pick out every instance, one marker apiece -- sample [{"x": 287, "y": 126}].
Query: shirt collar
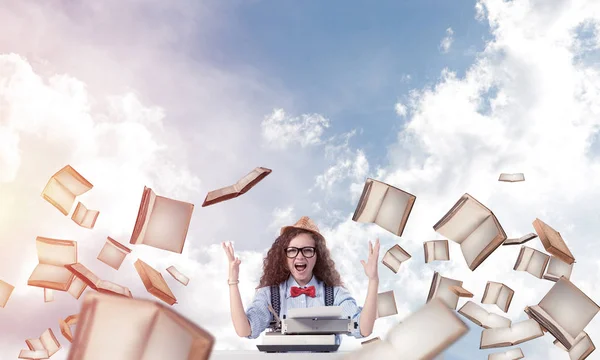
[{"x": 292, "y": 282}]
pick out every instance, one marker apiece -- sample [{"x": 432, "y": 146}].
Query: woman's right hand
[{"x": 234, "y": 262}]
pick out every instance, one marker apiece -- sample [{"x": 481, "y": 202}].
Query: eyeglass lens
[{"x": 292, "y": 252}]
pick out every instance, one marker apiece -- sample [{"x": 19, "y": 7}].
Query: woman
[{"x": 300, "y": 267}]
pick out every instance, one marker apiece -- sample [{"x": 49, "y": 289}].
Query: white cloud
[
  {"x": 401, "y": 109},
  {"x": 282, "y": 217},
  {"x": 447, "y": 41},
  {"x": 280, "y": 130}
]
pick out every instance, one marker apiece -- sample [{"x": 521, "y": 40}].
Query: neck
[{"x": 303, "y": 283}]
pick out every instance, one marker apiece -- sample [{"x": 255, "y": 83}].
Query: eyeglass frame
[{"x": 300, "y": 250}]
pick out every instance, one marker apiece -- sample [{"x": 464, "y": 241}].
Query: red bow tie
[{"x": 296, "y": 291}]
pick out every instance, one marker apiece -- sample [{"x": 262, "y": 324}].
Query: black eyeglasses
[{"x": 308, "y": 252}]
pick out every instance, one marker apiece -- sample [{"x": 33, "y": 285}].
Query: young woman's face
[{"x": 301, "y": 266}]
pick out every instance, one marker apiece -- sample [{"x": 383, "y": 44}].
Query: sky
[{"x": 186, "y": 97}]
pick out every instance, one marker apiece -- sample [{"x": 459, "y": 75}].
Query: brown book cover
[
  {"x": 553, "y": 242},
  {"x": 154, "y": 282},
  {"x": 241, "y": 187}
]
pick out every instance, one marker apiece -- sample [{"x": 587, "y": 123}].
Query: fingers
[
  {"x": 370, "y": 247},
  {"x": 228, "y": 250}
]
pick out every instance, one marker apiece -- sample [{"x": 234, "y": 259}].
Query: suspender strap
[
  {"x": 328, "y": 296},
  {"x": 275, "y": 298}
]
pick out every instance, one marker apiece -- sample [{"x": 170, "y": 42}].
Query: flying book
[
  {"x": 113, "y": 253},
  {"x": 90, "y": 279},
  {"x": 63, "y": 187},
  {"x": 498, "y": 294},
  {"x": 241, "y": 187},
  {"x": 84, "y": 217},
  {"x": 482, "y": 317},
  {"x": 532, "y": 261},
  {"x": 46, "y": 342},
  {"x": 512, "y": 354},
  {"x": 119, "y": 328},
  {"x": 511, "y": 177},
  {"x": 48, "y": 295},
  {"x": 371, "y": 341},
  {"x": 77, "y": 287},
  {"x": 473, "y": 226},
  {"x": 6, "y": 290},
  {"x": 394, "y": 257},
  {"x": 582, "y": 347},
  {"x": 460, "y": 291},
  {"x": 557, "y": 268},
  {"x": 33, "y": 354},
  {"x": 553, "y": 242},
  {"x": 386, "y": 304},
  {"x": 522, "y": 240},
  {"x": 65, "y": 326},
  {"x": 178, "y": 275},
  {"x": 564, "y": 311},
  {"x": 441, "y": 288},
  {"x": 384, "y": 205},
  {"x": 436, "y": 250},
  {"x": 53, "y": 255},
  {"x": 154, "y": 282},
  {"x": 516, "y": 334},
  {"x": 161, "y": 222}
]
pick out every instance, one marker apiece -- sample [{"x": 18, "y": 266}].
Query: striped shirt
[{"x": 259, "y": 316}]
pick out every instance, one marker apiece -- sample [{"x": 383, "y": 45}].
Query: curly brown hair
[{"x": 275, "y": 270}]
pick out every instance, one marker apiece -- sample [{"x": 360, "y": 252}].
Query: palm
[
  {"x": 234, "y": 262},
  {"x": 371, "y": 265}
]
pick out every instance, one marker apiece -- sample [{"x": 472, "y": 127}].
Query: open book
[
  {"x": 47, "y": 342},
  {"x": 33, "y": 354},
  {"x": 441, "y": 287},
  {"x": 522, "y": 240},
  {"x": 436, "y": 250},
  {"x": 84, "y": 217},
  {"x": 6, "y": 290},
  {"x": 511, "y": 177},
  {"x": 532, "y": 261},
  {"x": 113, "y": 253},
  {"x": 154, "y": 282},
  {"x": 119, "y": 328},
  {"x": 65, "y": 326},
  {"x": 482, "y": 317},
  {"x": 53, "y": 255},
  {"x": 386, "y": 304},
  {"x": 384, "y": 205},
  {"x": 517, "y": 333},
  {"x": 426, "y": 333},
  {"x": 63, "y": 187},
  {"x": 557, "y": 268},
  {"x": 564, "y": 311},
  {"x": 553, "y": 242},
  {"x": 473, "y": 226},
  {"x": 241, "y": 187},
  {"x": 178, "y": 275},
  {"x": 499, "y": 294},
  {"x": 162, "y": 222},
  {"x": 394, "y": 257},
  {"x": 582, "y": 347},
  {"x": 93, "y": 281},
  {"x": 512, "y": 354}
]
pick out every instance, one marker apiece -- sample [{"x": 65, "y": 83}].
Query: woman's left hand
[{"x": 372, "y": 261}]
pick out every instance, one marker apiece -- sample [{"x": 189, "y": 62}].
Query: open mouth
[{"x": 300, "y": 267}]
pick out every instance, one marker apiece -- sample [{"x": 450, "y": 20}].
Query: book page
[
  {"x": 518, "y": 241},
  {"x": 491, "y": 293},
  {"x": 50, "y": 342},
  {"x": 525, "y": 255},
  {"x": 77, "y": 287},
  {"x": 168, "y": 225},
  {"x": 251, "y": 179},
  {"x": 84, "y": 217},
  {"x": 6, "y": 290},
  {"x": 59, "y": 196},
  {"x": 505, "y": 297},
  {"x": 386, "y": 304},
  {"x": 399, "y": 253},
  {"x": 464, "y": 221},
  {"x": 477, "y": 241},
  {"x": 168, "y": 340},
  {"x": 582, "y": 348},
  {"x": 65, "y": 326},
  {"x": 56, "y": 252},
  {"x": 441, "y": 250},
  {"x": 84, "y": 274},
  {"x": 569, "y": 307},
  {"x": 110, "y": 287},
  {"x": 113, "y": 253},
  {"x": 73, "y": 181},
  {"x": 392, "y": 210},
  {"x": 552, "y": 241},
  {"x": 177, "y": 275},
  {"x": 50, "y": 276},
  {"x": 512, "y": 354},
  {"x": 33, "y": 354},
  {"x": 391, "y": 262},
  {"x": 48, "y": 295},
  {"x": 538, "y": 263},
  {"x": 496, "y": 321},
  {"x": 557, "y": 268},
  {"x": 518, "y": 333},
  {"x": 372, "y": 197},
  {"x": 35, "y": 344},
  {"x": 444, "y": 293},
  {"x": 433, "y": 327},
  {"x": 511, "y": 177}
]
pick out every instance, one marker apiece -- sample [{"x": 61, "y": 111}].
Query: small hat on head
[{"x": 304, "y": 223}]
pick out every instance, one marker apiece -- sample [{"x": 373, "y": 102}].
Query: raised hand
[
  {"x": 371, "y": 265},
  {"x": 234, "y": 262}
]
